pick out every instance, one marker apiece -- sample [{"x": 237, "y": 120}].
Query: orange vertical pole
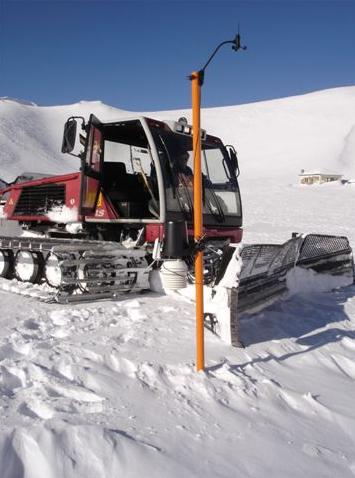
[{"x": 198, "y": 218}]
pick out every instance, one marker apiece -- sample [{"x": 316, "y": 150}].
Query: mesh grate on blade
[{"x": 316, "y": 245}]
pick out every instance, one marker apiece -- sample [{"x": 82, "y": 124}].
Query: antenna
[{"x": 236, "y": 43}]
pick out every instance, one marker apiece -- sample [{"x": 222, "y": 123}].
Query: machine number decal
[{"x": 100, "y": 213}]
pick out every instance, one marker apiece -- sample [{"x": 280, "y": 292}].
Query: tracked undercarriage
[{"x": 75, "y": 269}]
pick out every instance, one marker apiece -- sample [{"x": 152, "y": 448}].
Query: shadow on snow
[{"x": 299, "y": 316}]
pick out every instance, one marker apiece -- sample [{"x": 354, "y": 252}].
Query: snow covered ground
[
  {"x": 273, "y": 210},
  {"x": 109, "y": 389}
]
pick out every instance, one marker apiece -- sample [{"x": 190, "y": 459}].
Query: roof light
[{"x": 181, "y": 127}]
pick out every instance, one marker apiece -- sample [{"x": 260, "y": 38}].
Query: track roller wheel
[
  {"x": 29, "y": 266},
  {"x": 52, "y": 271},
  {"x": 6, "y": 263}
]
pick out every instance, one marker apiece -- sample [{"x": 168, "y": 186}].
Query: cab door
[{"x": 91, "y": 167}]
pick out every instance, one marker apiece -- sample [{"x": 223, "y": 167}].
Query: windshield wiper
[
  {"x": 219, "y": 214},
  {"x": 185, "y": 201}
]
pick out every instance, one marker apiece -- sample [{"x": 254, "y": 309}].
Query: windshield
[{"x": 220, "y": 188}]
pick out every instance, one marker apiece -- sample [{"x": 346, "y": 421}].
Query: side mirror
[
  {"x": 233, "y": 159},
  {"x": 69, "y": 135}
]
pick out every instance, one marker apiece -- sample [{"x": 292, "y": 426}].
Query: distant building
[{"x": 318, "y": 177}]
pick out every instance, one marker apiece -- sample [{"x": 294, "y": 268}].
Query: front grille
[{"x": 38, "y": 200}]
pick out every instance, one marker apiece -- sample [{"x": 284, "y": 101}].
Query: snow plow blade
[
  {"x": 262, "y": 277},
  {"x": 265, "y": 266}
]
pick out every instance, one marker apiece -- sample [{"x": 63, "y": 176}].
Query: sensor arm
[{"x": 236, "y": 45}]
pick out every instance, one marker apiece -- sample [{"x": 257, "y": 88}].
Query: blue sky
[{"x": 136, "y": 55}]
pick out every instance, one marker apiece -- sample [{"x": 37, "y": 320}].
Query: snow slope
[
  {"x": 274, "y": 138},
  {"x": 278, "y": 138},
  {"x": 109, "y": 389},
  {"x": 31, "y": 136}
]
